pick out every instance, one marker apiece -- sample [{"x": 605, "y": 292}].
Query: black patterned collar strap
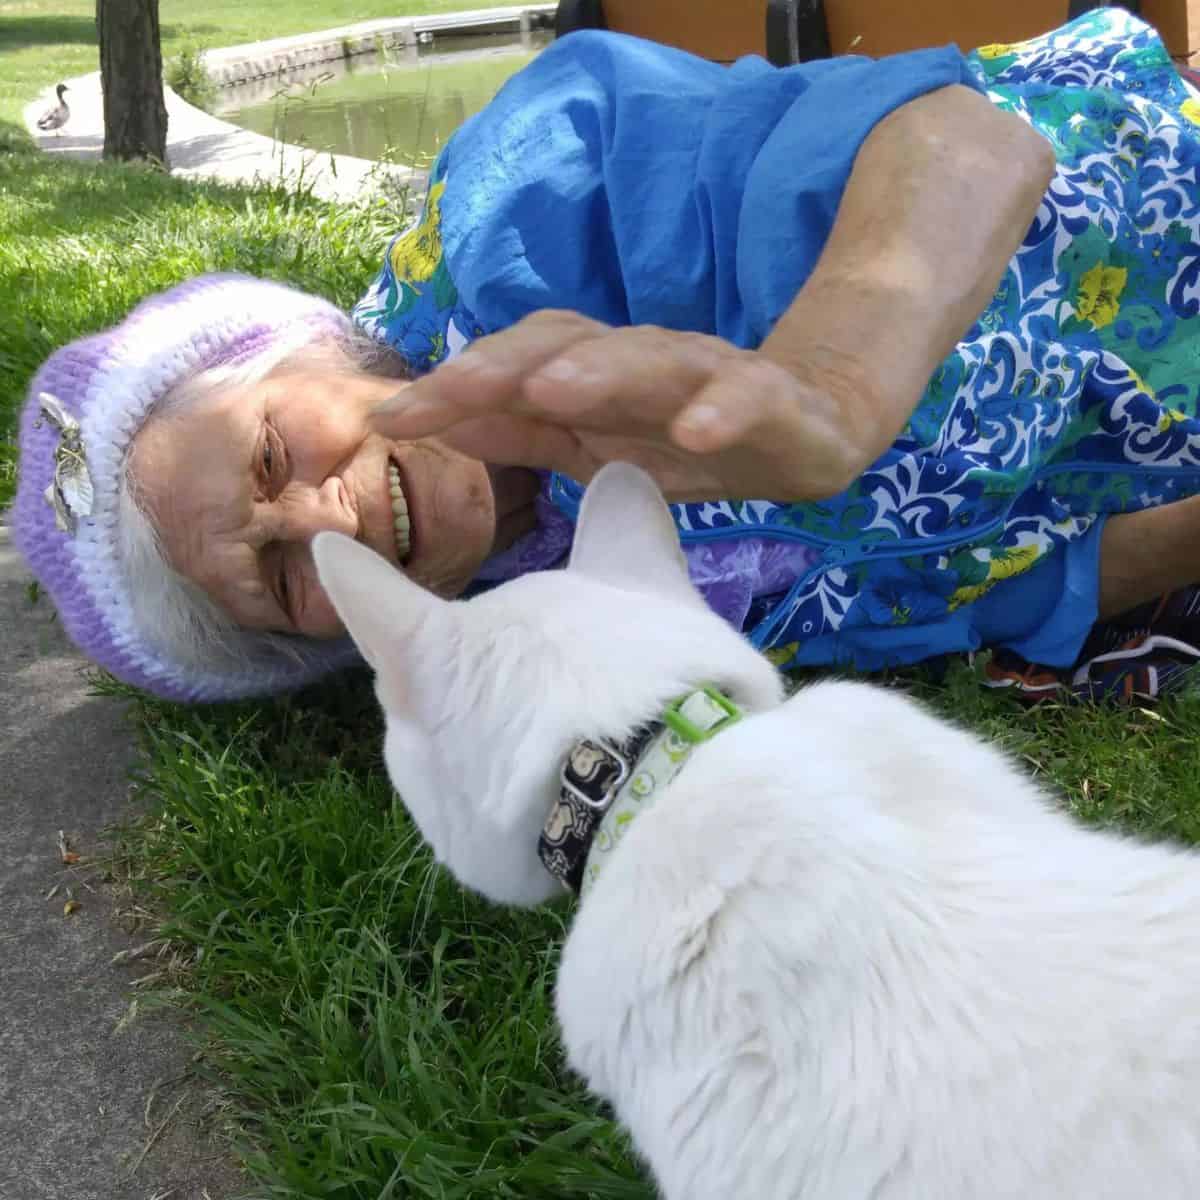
[
  {"x": 604, "y": 784},
  {"x": 591, "y": 777}
]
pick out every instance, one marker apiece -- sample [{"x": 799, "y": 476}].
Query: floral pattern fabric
[{"x": 1073, "y": 396}]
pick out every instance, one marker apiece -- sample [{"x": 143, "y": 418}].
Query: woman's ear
[
  {"x": 380, "y": 606},
  {"x": 625, "y": 535}
]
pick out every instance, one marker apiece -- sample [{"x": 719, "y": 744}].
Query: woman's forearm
[{"x": 941, "y": 195}]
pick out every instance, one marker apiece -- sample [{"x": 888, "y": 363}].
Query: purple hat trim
[{"x": 108, "y": 383}]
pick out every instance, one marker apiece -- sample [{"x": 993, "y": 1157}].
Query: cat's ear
[
  {"x": 625, "y": 535},
  {"x": 380, "y": 606}
]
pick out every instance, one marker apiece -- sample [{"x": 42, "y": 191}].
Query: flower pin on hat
[{"x": 70, "y": 493}]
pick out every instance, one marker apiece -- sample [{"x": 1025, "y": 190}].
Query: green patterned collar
[{"x": 604, "y": 785}]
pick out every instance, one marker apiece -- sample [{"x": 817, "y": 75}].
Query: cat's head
[{"x": 484, "y": 697}]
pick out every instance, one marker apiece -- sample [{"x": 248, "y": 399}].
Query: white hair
[{"x": 168, "y": 607}]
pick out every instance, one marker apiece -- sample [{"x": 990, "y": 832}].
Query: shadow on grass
[
  {"x": 296, "y": 735},
  {"x": 15, "y": 139},
  {"x": 20, "y": 33},
  {"x": 78, "y": 198}
]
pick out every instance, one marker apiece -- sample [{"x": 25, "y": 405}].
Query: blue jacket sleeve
[{"x": 636, "y": 183}]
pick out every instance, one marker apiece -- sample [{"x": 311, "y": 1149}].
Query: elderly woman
[{"x": 941, "y": 314}]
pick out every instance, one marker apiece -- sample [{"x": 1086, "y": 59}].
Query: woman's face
[{"x": 238, "y": 483}]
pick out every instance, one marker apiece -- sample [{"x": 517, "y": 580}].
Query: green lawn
[
  {"x": 43, "y": 41},
  {"x": 79, "y": 245},
  {"x": 380, "y": 1033}
]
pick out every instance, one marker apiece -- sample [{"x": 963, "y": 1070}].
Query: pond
[{"x": 399, "y": 106}]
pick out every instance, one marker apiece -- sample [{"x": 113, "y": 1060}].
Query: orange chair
[
  {"x": 788, "y": 31},
  {"x": 782, "y": 31}
]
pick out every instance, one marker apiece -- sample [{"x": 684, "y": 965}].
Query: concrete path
[
  {"x": 82, "y": 1092},
  {"x": 94, "y": 1106},
  {"x": 201, "y": 146}
]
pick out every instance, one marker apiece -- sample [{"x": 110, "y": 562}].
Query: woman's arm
[{"x": 940, "y": 196}]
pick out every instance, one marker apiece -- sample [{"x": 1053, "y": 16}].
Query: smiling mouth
[{"x": 401, "y": 520}]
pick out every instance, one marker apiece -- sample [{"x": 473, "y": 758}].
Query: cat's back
[{"x": 862, "y": 940}]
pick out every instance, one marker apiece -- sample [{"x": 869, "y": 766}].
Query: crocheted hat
[{"x": 84, "y": 406}]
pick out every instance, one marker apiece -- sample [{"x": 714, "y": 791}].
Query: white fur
[{"x": 852, "y": 954}]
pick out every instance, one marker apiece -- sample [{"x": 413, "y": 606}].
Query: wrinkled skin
[{"x": 238, "y": 483}]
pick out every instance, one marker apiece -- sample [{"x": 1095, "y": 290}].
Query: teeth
[{"x": 400, "y": 521}]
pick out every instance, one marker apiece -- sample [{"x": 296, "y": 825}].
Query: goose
[{"x": 57, "y": 115}]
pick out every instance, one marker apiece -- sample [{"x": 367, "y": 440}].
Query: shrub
[{"x": 186, "y": 75}]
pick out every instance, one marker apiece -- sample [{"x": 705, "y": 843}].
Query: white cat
[{"x": 851, "y": 952}]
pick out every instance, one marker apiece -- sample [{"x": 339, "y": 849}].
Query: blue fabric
[
  {"x": 679, "y": 192},
  {"x": 1045, "y": 614},
  {"x": 637, "y": 184}
]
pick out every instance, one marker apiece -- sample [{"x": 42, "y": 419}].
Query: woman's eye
[
  {"x": 281, "y": 592},
  {"x": 274, "y": 457}
]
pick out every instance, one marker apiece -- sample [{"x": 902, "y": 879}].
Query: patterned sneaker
[{"x": 1136, "y": 657}]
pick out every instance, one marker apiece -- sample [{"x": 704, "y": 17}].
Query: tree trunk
[{"x": 135, "y": 114}]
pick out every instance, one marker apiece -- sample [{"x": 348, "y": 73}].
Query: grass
[
  {"x": 383, "y": 1034},
  {"x": 43, "y": 41},
  {"x": 79, "y": 245},
  {"x": 380, "y": 1034}
]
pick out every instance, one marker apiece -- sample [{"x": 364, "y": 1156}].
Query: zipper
[
  {"x": 837, "y": 554},
  {"x": 845, "y": 555},
  {"x": 842, "y": 554},
  {"x": 832, "y": 552}
]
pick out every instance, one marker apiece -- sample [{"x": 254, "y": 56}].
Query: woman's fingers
[
  {"x": 565, "y": 370},
  {"x": 514, "y": 441},
  {"x": 559, "y": 391},
  {"x": 505, "y": 440},
  {"x": 634, "y": 378},
  {"x": 743, "y": 395},
  {"x": 486, "y": 377},
  {"x": 768, "y": 433}
]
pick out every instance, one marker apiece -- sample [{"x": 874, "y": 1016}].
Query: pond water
[{"x": 399, "y": 106}]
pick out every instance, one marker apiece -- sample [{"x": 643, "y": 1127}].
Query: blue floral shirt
[{"x": 635, "y": 183}]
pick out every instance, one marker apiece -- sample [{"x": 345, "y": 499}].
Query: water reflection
[{"x": 399, "y": 106}]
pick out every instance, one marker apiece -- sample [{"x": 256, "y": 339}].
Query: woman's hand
[
  {"x": 941, "y": 194},
  {"x": 706, "y": 419}
]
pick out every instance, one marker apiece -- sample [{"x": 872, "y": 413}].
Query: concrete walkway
[
  {"x": 82, "y": 1092},
  {"x": 201, "y": 146},
  {"x": 94, "y": 1106}
]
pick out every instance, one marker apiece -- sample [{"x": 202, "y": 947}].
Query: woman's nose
[{"x": 311, "y": 510}]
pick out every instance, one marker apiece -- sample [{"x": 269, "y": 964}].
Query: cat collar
[{"x": 605, "y": 784}]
